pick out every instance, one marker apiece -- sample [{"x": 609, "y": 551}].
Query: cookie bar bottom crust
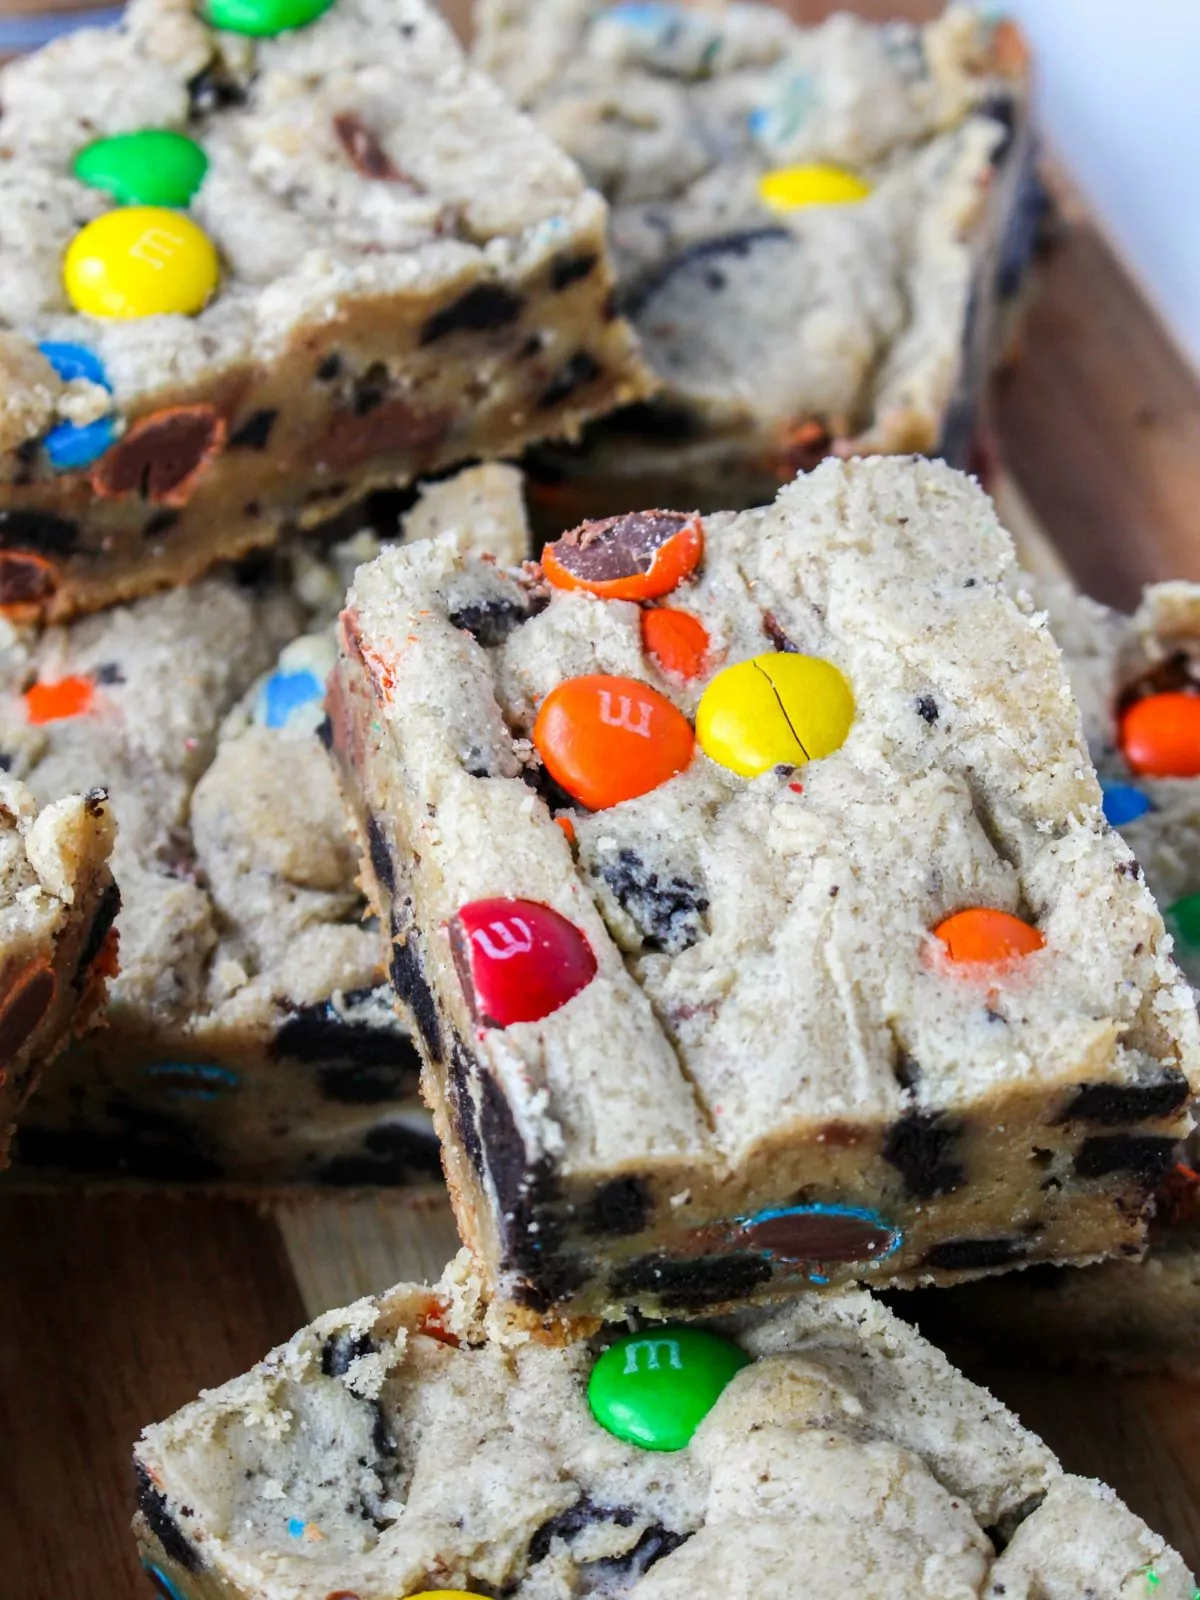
[
  {"x": 59, "y": 948},
  {"x": 383, "y": 393}
]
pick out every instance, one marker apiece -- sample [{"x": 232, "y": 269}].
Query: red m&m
[
  {"x": 518, "y": 960},
  {"x": 606, "y": 739},
  {"x": 1160, "y": 735}
]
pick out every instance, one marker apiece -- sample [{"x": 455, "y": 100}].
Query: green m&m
[
  {"x": 152, "y": 168},
  {"x": 262, "y": 18},
  {"x": 1183, "y": 920},
  {"x": 654, "y": 1388}
]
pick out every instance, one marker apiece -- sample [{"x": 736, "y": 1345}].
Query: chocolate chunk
[
  {"x": 152, "y": 1503},
  {"x": 162, "y": 457},
  {"x": 211, "y": 91},
  {"x": 390, "y": 427},
  {"x": 24, "y": 1007},
  {"x": 819, "y": 1233},
  {"x": 487, "y": 305},
  {"x": 255, "y": 431},
  {"x": 618, "y": 547},
  {"x": 409, "y": 982},
  {"x": 381, "y": 855},
  {"x": 566, "y": 270},
  {"x": 1113, "y": 1103},
  {"x": 969, "y": 1255},
  {"x": 927, "y": 709},
  {"x": 1143, "y": 1156},
  {"x": 25, "y": 579},
  {"x": 620, "y": 1207},
  {"x": 367, "y": 155},
  {"x": 680, "y": 1285},
  {"x": 579, "y": 371},
  {"x": 39, "y": 531},
  {"x": 668, "y": 911},
  {"x": 106, "y": 915},
  {"x": 917, "y": 1146},
  {"x": 774, "y": 631},
  {"x": 341, "y": 1349},
  {"x": 489, "y": 622},
  {"x": 161, "y": 522},
  {"x": 392, "y": 1156},
  {"x": 566, "y": 1524}
]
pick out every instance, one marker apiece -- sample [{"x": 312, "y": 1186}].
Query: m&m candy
[
  {"x": 262, "y": 18},
  {"x": 53, "y": 702},
  {"x": 790, "y": 188},
  {"x": 779, "y": 709},
  {"x": 1183, "y": 921},
  {"x": 518, "y": 960},
  {"x": 71, "y": 445},
  {"x": 655, "y": 1387},
  {"x": 1123, "y": 804},
  {"x": 675, "y": 640},
  {"x": 606, "y": 739},
  {"x": 1160, "y": 735},
  {"x": 981, "y": 936},
  {"x": 140, "y": 261},
  {"x": 637, "y": 557},
  {"x": 152, "y": 168}
]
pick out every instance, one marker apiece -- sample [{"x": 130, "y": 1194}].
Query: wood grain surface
[{"x": 115, "y": 1309}]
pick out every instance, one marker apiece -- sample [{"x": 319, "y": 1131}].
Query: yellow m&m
[
  {"x": 790, "y": 188},
  {"x": 778, "y": 709},
  {"x": 140, "y": 261}
]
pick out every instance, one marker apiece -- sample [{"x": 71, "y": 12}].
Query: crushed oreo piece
[
  {"x": 566, "y": 270},
  {"x": 927, "y": 709},
  {"x": 668, "y": 911},
  {"x": 970, "y": 1255},
  {"x": 42, "y": 532},
  {"x": 680, "y": 1285},
  {"x": 381, "y": 855},
  {"x": 106, "y": 915},
  {"x": 255, "y": 431},
  {"x": 918, "y": 1146},
  {"x": 1143, "y": 1156},
  {"x": 340, "y": 1350},
  {"x": 577, "y": 373},
  {"x": 392, "y": 1156},
  {"x": 412, "y": 988},
  {"x": 566, "y": 1524},
  {"x": 210, "y": 90},
  {"x": 152, "y": 1503},
  {"x": 489, "y": 622},
  {"x": 618, "y": 1208},
  {"x": 1114, "y": 1103}
]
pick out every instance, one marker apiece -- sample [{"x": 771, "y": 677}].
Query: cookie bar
[
  {"x": 57, "y": 944},
  {"x": 1137, "y": 679},
  {"x": 821, "y": 233},
  {"x": 251, "y": 1036},
  {"x": 748, "y": 884},
  {"x": 390, "y": 1449},
  {"x": 248, "y": 275}
]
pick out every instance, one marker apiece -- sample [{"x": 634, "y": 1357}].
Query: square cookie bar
[
  {"x": 821, "y": 233},
  {"x": 390, "y": 1449},
  {"x": 748, "y": 884},
  {"x": 57, "y": 945},
  {"x": 251, "y": 1036},
  {"x": 1137, "y": 679},
  {"x": 248, "y": 274}
]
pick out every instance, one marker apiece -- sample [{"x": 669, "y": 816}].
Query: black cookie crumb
[
  {"x": 1143, "y": 1156},
  {"x": 686, "y": 1285},
  {"x": 1114, "y": 1103},
  {"x": 918, "y": 1146},
  {"x": 487, "y": 305},
  {"x": 970, "y": 1255},
  {"x": 620, "y": 1207}
]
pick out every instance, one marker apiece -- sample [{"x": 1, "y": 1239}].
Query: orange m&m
[
  {"x": 640, "y": 556},
  {"x": 677, "y": 641},
  {"x": 607, "y": 739},
  {"x": 1160, "y": 735},
  {"x": 51, "y": 702},
  {"x": 981, "y": 935}
]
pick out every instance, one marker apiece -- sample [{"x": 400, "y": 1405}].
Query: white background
[{"x": 1119, "y": 84}]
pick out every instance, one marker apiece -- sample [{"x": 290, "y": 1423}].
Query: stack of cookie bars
[{"x": 725, "y": 901}]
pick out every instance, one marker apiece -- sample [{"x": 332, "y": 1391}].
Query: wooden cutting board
[{"x": 116, "y": 1308}]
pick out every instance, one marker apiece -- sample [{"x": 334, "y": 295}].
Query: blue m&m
[
  {"x": 293, "y": 695},
  {"x": 1123, "y": 803},
  {"x": 70, "y": 446}
]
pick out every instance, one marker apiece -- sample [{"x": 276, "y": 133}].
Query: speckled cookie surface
[
  {"x": 782, "y": 330},
  {"x": 57, "y": 950},
  {"x": 389, "y": 1449},
  {"x": 250, "y": 1034},
  {"x": 769, "y": 1075},
  {"x": 408, "y": 274}
]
